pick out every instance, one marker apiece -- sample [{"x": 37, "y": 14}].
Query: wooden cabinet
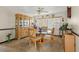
[
  {"x": 22, "y": 30},
  {"x": 69, "y": 41}
]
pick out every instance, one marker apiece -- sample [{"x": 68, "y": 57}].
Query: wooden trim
[
  {"x": 7, "y": 29},
  {"x": 75, "y": 33}
]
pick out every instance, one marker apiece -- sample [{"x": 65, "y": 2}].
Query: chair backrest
[
  {"x": 32, "y": 32},
  {"x": 53, "y": 29},
  {"x": 44, "y": 29}
]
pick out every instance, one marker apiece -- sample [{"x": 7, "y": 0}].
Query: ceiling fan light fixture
[{"x": 41, "y": 10}]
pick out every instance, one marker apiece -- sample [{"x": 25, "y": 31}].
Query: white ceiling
[{"x": 31, "y": 10}]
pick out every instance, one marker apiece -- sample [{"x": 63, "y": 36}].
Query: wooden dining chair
[{"x": 53, "y": 37}]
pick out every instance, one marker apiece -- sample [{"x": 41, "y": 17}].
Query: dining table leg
[{"x": 35, "y": 45}]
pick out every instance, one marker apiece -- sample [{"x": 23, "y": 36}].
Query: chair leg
[{"x": 35, "y": 45}]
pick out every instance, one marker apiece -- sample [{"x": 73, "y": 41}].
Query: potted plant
[
  {"x": 63, "y": 28},
  {"x": 9, "y": 36}
]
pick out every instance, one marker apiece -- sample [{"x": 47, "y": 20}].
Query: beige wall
[
  {"x": 74, "y": 21},
  {"x": 7, "y": 20}
]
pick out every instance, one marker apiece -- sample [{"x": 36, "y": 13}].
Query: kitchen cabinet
[{"x": 69, "y": 43}]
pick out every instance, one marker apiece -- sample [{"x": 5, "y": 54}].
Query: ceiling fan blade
[
  {"x": 40, "y": 10},
  {"x": 44, "y": 11}
]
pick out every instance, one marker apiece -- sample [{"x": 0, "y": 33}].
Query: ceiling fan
[{"x": 41, "y": 10}]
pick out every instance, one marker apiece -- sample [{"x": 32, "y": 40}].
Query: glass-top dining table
[{"x": 40, "y": 37}]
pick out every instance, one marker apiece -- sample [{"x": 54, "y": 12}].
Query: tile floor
[{"x": 22, "y": 45}]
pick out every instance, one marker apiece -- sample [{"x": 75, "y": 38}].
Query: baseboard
[
  {"x": 7, "y": 40},
  {"x": 12, "y": 39}
]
